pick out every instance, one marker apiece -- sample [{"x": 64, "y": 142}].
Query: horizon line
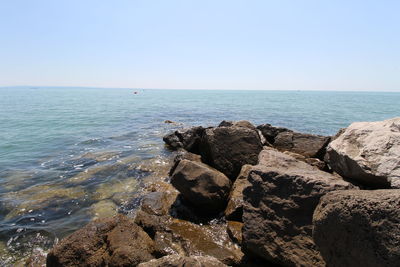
[{"x": 200, "y": 89}]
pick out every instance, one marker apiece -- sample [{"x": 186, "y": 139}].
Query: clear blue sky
[{"x": 210, "y": 44}]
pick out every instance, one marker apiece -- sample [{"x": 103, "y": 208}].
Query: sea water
[{"x": 69, "y": 155}]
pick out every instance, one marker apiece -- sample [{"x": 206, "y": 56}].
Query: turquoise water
[{"x": 68, "y": 155}]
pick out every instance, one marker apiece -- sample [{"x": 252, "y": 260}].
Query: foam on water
[{"x": 70, "y": 155}]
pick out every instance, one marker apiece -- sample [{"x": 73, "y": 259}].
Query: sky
[{"x": 203, "y": 44}]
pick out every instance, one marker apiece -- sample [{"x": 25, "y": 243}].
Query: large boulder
[
  {"x": 368, "y": 152},
  {"x": 181, "y": 155},
  {"x": 115, "y": 241},
  {"x": 234, "y": 209},
  {"x": 201, "y": 185},
  {"x": 279, "y": 205},
  {"x": 270, "y": 132},
  {"x": 188, "y": 139},
  {"x": 182, "y": 261},
  {"x": 308, "y": 145},
  {"x": 245, "y": 124},
  {"x": 229, "y": 148},
  {"x": 359, "y": 228}
]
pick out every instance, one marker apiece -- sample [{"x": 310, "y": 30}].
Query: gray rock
[
  {"x": 308, "y": 145},
  {"x": 188, "y": 139},
  {"x": 279, "y": 205},
  {"x": 229, "y": 148},
  {"x": 270, "y": 132},
  {"x": 359, "y": 228},
  {"x": 369, "y": 153},
  {"x": 182, "y": 261},
  {"x": 234, "y": 209},
  {"x": 203, "y": 186}
]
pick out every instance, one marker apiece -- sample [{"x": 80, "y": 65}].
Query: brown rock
[
  {"x": 279, "y": 206},
  {"x": 359, "y": 228},
  {"x": 270, "y": 132},
  {"x": 234, "y": 230},
  {"x": 113, "y": 241},
  {"x": 181, "y": 155},
  {"x": 182, "y": 261},
  {"x": 201, "y": 185},
  {"x": 234, "y": 209},
  {"x": 308, "y": 145},
  {"x": 229, "y": 148}
]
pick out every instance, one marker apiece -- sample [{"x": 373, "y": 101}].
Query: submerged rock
[
  {"x": 182, "y": 261},
  {"x": 229, "y": 148},
  {"x": 234, "y": 209},
  {"x": 188, "y": 139},
  {"x": 359, "y": 228},
  {"x": 201, "y": 185},
  {"x": 279, "y": 206},
  {"x": 113, "y": 241},
  {"x": 369, "y": 153},
  {"x": 308, "y": 145}
]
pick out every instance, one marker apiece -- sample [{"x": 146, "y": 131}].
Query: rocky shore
[{"x": 245, "y": 195}]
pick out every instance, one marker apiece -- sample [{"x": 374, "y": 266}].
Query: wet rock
[
  {"x": 234, "y": 230},
  {"x": 308, "y": 145},
  {"x": 279, "y": 206},
  {"x": 182, "y": 261},
  {"x": 211, "y": 240},
  {"x": 158, "y": 203},
  {"x": 368, "y": 152},
  {"x": 229, "y": 148},
  {"x": 201, "y": 185},
  {"x": 183, "y": 154},
  {"x": 234, "y": 209},
  {"x": 359, "y": 228},
  {"x": 270, "y": 132},
  {"x": 188, "y": 139},
  {"x": 113, "y": 241}
]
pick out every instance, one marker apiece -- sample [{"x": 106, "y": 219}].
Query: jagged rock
[
  {"x": 234, "y": 230},
  {"x": 234, "y": 209},
  {"x": 278, "y": 208},
  {"x": 368, "y": 152},
  {"x": 312, "y": 161},
  {"x": 115, "y": 241},
  {"x": 308, "y": 145},
  {"x": 182, "y": 261},
  {"x": 183, "y": 154},
  {"x": 270, "y": 132},
  {"x": 229, "y": 148},
  {"x": 359, "y": 228},
  {"x": 245, "y": 124},
  {"x": 201, "y": 185},
  {"x": 188, "y": 139}
]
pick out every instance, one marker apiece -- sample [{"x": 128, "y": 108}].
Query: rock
[
  {"x": 168, "y": 121},
  {"x": 270, "y": 132},
  {"x": 229, "y": 148},
  {"x": 312, "y": 161},
  {"x": 113, "y": 241},
  {"x": 182, "y": 261},
  {"x": 359, "y": 228},
  {"x": 234, "y": 230},
  {"x": 188, "y": 139},
  {"x": 245, "y": 124},
  {"x": 278, "y": 208},
  {"x": 183, "y": 154},
  {"x": 201, "y": 185},
  {"x": 158, "y": 203},
  {"x": 234, "y": 209},
  {"x": 369, "y": 153},
  {"x": 308, "y": 145}
]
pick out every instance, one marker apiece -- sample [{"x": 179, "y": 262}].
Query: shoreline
[{"x": 213, "y": 200}]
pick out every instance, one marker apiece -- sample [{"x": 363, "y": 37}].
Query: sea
[{"x": 71, "y": 155}]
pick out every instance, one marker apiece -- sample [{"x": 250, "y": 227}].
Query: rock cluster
[{"x": 241, "y": 195}]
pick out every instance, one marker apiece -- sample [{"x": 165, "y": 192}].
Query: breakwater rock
[{"x": 245, "y": 195}]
